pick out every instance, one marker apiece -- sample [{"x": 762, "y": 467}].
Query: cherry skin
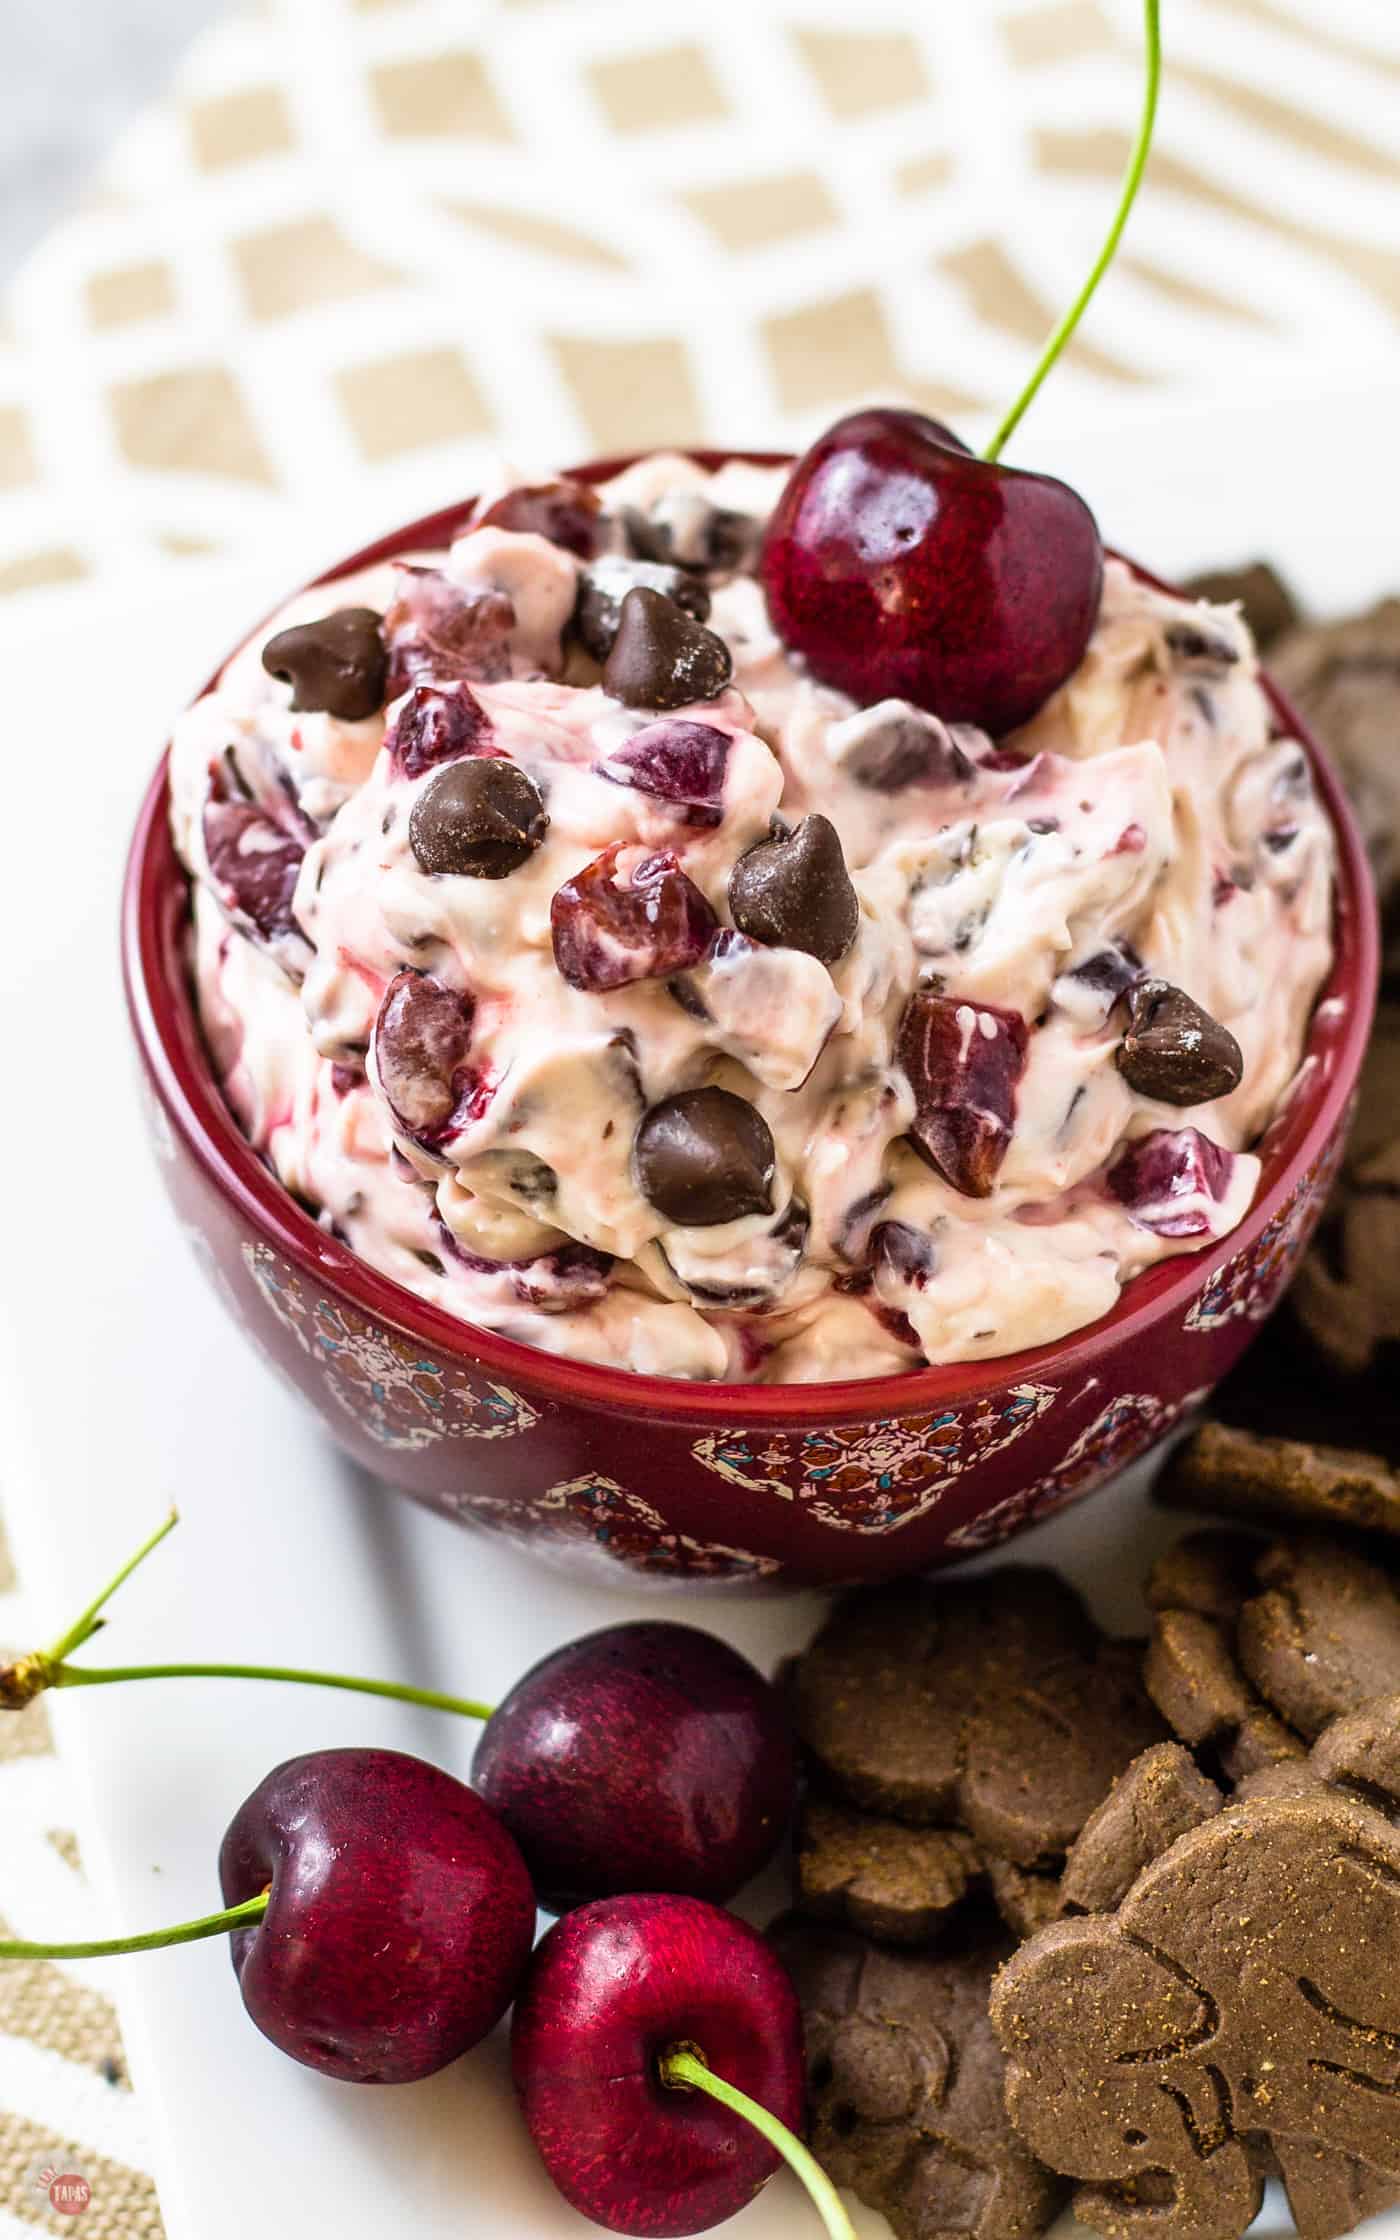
[
  {"x": 644, "y": 1757},
  {"x": 901, "y": 566},
  {"x": 610, "y": 1991},
  {"x": 399, "y": 1920}
]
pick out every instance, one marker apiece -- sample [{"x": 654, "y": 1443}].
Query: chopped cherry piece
[
  {"x": 906, "y": 1254},
  {"x": 963, "y": 1061},
  {"x": 1171, "y": 1180},
  {"x": 255, "y": 865},
  {"x": 436, "y": 727},
  {"x": 680, "y": 763},
  {"x": 421, "y": 1053},
  {"x": 568, "y": 513},
  {"x": 437, "y": 630},
  {"x": 894, "y": 745},
  {"x": 608, "y": 934}
]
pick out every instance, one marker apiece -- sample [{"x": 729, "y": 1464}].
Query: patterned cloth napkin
[{"x": 365, "y": 245}]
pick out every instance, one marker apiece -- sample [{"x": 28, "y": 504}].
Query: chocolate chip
[
  {"x": 337, "y": 665},
  {"x": 661, "y": 657},
  {"x": 603, "y": 587},
  {"x": 704, "y": 1157},
  {"x": 1174, "y": 1051},
  {"x": 796, "y": 893},
  {"x": 481, "y": 818}
]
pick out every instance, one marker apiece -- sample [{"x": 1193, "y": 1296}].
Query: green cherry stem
[
  {"x": 29, "y": 1676},
  {"x": 1132, "y": 180},
  {"x": 684, "y": 2069},
  {"x": 90, "y": 1676},
  {"x": 154, "y": 1940}
]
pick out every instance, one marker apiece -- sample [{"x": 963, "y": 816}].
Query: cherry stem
[
  {"x": 684, "y": 2068},
  {"x": 398, "y": 1691},
  {"x": 154, "y": 1940},
  {"x": 29, "y": 1676},
  {"x": 1132, "y": 180}
]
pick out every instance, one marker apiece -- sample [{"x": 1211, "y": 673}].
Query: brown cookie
[
  {"x": 1322, "y": 1636},
  {"x": 1162, "y": 1794},
  {"x": 992, "y": 1704},
  {"x": 1281, "y": 1481},
  {"x": 1209, "y": 1572},
  {"x": 1240, "y": 2010},
  {"x": 1194, "y": 1678},
  {"x": 1025, "y": 1900},
  {"x": 906, "y": 2086},
  {"x": 896, "y": 1884},
  {"x": 1345, "y": 678},
  {"x": 1362, "y": 1752}
]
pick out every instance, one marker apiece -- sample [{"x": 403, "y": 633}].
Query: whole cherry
[
  {"x": 656, "y": 2047},
  {"x": 380, "y": 1915},
  {"x": 648, "y": 1756},
  {"x": 399, "y": 1916},
  {"x": 898, "y": 564}
]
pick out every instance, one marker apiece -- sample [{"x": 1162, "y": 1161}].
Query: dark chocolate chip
[
  {"x": 704, "y": 1157},
  {"x": 1174, "y": 1051},
  {"x": 661, "y": 657},
  {"x": 337, "y": 665},
  {"x": 796, "y": 893},
  {"x": 603, "y": 587},
  {"x": 481, "y": 818}
]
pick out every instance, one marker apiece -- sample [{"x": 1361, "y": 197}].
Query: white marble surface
[{"x": 74, "y": 71}]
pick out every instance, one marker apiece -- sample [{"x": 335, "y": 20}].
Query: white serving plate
[{"x": 128, "y": 1389}]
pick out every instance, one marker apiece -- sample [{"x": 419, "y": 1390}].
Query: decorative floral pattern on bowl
[
  {"x": 597, "y": 1515},
  {"x": 401, "y": 1398},
  {"x": 1122, "y": 1431},
  {"x": 875, "y": 1477}
]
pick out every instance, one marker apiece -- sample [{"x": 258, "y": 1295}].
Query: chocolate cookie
[
  {"x": 1281, "y": 1481},
  {"x": 1198, "y": 1592},
  {"x": 1322, "y": 1636},
  {"x": 1024, "y": 1899},
  {"x": 906, "y": 2086},
  {"x": 1240, "y": 2011},
  {"x": 1345, "y": 678},
  {"x": 898, "y": 1885},
  {"x": 993, "y": 1705},
  {"x": 1162, "y": 1794}
]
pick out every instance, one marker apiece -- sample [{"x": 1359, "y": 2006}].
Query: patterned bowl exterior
[{"x": 732, "y": 1484}]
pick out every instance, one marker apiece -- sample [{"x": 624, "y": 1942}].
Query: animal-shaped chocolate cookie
[
  {"x": 1239, "y": 2011},
  {"x": 906, "y": 2086},
  {"x": 992, "y": 1704}
]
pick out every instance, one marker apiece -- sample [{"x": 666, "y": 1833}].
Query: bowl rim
[{"x": 166, "y": 1026}]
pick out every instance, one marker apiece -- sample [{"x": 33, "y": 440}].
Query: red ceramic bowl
[{"x": 803, "y": 1484}]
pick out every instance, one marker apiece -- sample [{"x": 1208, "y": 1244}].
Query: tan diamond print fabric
[{"x": 366, "y": 245}]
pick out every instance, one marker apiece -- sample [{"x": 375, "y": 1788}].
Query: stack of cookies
[{"x": 1104, "y": 1919}]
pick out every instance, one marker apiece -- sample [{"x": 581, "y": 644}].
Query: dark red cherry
[
  {"x": 421, "y": 1051},
  {"x": 964, "y": 1061},
  {"x": 610, "y": 1991},
  {"x": 254, "y": 864},
  {"x": 682, "y": 764},
  {"x": 900, "y": 565},
  {"x": 645, "y": 1757},
  {"x": 609, "y": 931},
  {"x": 399, "y": 1920},
  {"x": 437, "y": 630},
  {"x": 1172, "y": 1182}
]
